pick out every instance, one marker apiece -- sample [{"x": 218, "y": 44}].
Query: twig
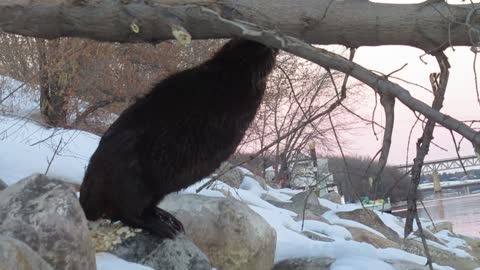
[
  {"x": 458, "y": 154},
  {"x": 54, "y": 155},
  {"x": 428, "y": 214},
  {"x": 424, "y": 241}
]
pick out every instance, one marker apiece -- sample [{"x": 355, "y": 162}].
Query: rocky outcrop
[
  {"x": 16, "y": 255},
  {"x": 231, "y": 234},
  {"x": 45, "y": 214}
]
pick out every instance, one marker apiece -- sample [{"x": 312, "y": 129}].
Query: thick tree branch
[{"x": 351, "y": 23}]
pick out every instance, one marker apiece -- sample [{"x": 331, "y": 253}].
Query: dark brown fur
[{"x": 176, "y": 135}]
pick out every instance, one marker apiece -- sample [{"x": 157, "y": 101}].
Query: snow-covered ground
[{"x": 28, "y": 148}]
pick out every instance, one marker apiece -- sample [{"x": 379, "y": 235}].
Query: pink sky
[{"x": 460, "y": 100}]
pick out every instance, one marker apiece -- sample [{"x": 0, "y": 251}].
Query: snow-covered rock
[
  {"x": 226, "y": 230},
  {"x": 370, "y": 218},
  {"x": 299, "y": 202},
  {"x": 45, "y": 214},
  {"x": 362, "y": 235}
]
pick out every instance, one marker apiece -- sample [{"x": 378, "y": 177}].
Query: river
[{"x": 462, "y": 211}]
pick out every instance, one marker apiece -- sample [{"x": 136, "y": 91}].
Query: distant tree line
[{"x": 355, "y": 178}]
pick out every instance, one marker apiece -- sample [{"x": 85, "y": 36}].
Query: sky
[{"x": 460, "y": 100}]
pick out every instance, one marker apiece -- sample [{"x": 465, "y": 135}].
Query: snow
[
  {"x": 106, "y": 261},
  {"x": 26, "y": 148},
  {"x": 332, "y": 231},
  {"x": 334, "y": 219},
  {"x": 250, "y": 184}
]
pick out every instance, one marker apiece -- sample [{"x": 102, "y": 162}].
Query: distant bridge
[{"x": 445, "y": 164}]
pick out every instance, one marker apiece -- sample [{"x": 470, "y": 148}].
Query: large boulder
[
  {"x": 162, "y": 254},
  {"x": 16, "y": 255},
  {"x": 45, "y": 214},
  {"x": 308, "y": 263},
  {"x": 370, "y": 219},
  {"x": 231, "y": 234}
]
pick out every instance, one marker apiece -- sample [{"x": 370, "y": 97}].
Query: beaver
[{"x": 174, "y": 136}]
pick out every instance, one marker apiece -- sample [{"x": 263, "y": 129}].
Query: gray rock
[
  {"x": 162, "y": 254},
  {"x": 231, "y": 234},
  {"x": 3, "y": 185},
  {"x": 16, "y": 255},
  {"x": 309, "y": 263},
  {"x": 45, "y": 214}
]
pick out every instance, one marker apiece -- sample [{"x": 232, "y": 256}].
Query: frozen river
[{"x": 463, "y": 212}]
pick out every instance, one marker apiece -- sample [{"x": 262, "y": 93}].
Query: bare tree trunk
[
  {"x": 52, "y": 94},
  {"x": 352, "y": 23}
]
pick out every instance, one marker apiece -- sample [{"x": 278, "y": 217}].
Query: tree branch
[{"x": 320, "y": 22}]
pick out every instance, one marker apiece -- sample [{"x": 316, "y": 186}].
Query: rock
[
  {"x": 440, "y": 226},
  {"x": 439, "y": 256},
  {"x": 232, "y": 177},
  {"x": 369, "y": 218},
  {"x": 362, "y": 235},
  {"x": 162, "y": 254},
  {"x": 406, "y": 265},
  {"x": 3, "y": 185},
  {"x": 429, "y": 236},
  {"x": 317, "y": 237},
  {"x": 308, "y": 263},
  {"x": 16, "y": 255},
  {"x": 259, "y": 179},
  {"x": 333, "y": 197},
  {"x": 309, "y": 215},
  {"x": 45, "y": 214},
  {"x": 298, "y": 203},
  {"x": 270, "y": 198},
  {"x": 231, "y": 234},
  {"x": 473, "y": 243}
]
